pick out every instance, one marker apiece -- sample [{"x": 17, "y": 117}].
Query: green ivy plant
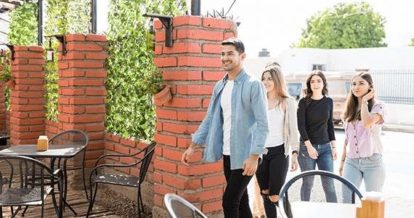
[
  {"x": 132, "y": 76},
  {"x": 5, "y": 75},
  {"x": 23, "y": 31},
  {"x": 23, "y": 25},
  {"x": 64, "y": 16}
]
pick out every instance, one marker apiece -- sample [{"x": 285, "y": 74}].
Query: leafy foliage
[
  {"x": 132, "y": 75},
  {"x": 412, "y": 42},
  {"x": 353, "y": 25},
  {"x": 78, "y": 16},
  {"x": 23, "y": 25},
  {"x": 63, "y": 16},
  {"x": 5, "y": 75},
  {"x": 23, "y": 31}
]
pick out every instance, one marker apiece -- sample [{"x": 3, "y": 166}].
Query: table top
[
  {"x": 323, "y": 209},
  {"x": 55, "y": 151}
]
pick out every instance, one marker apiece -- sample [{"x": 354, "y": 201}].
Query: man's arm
[
  {"x": 259, "y": 108},
  {"x": 199, "y": 137}
]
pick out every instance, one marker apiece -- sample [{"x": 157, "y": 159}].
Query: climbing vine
[
  {"x": 132, "y": 76},
  {"x": 63, "y": 16}
]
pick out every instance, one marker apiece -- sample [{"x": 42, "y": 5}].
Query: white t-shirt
[
  {"x": 275, "y": 119},
  {"x": 226, "y": 107}
]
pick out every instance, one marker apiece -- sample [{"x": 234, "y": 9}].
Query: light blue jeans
[
  {"x": 324, "y": 162},
  {"x": 371, "y": 169}
]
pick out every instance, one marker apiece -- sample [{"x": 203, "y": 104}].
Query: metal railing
[{"x": 394, "y": 86}]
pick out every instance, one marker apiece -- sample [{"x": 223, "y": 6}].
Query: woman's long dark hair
[
  {"x": 352, "y": 111},
  {"x": 309, "y": 91}
]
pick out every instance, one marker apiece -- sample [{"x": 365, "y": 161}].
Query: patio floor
[{"x": 76, "y": 199}]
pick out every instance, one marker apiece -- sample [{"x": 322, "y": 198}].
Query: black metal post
[
  {"x": 196, "y": 7},
  {"x": 40, "y": 22},
  {"x": 93, "y": 16},
  {"x": 167, "y": 21}
]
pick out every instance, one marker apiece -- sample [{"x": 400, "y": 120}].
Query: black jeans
[
  {"x": 271, "y": 175},
  {"x": 235, "y": 198}
]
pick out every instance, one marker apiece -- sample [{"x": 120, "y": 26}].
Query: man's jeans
[
  {"x": 235, "y": 197},
  {"x": 371, "y": 169},
  {"x": 324, "y": 162}
]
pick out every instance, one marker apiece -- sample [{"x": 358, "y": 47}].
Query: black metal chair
[
  {"x": 291, "y": 190},
  {"x": 178, "y": 207},
  {"x": 69, "y": 137},
  {"x": 20, "y": 188},
  {"x": 76, "y": 138},
  {"x": 98, "y": 176}
]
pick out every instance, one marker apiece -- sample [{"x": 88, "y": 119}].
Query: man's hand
[
  {"x": 187, "y": 154},
  {"x": 250, "y": 165}
]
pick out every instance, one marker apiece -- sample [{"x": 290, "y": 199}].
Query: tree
[
  {"x": 353, "y": 25},
  {"x": 412, "y": 42}
]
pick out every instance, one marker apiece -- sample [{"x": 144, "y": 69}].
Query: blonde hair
[{"x": 278, "y": 79}]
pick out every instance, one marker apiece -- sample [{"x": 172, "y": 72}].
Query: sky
[{"x": 277, "y": 24}]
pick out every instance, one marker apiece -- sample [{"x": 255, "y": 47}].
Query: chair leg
[
  {"x": 83, "y": 173},
  {"x": 43, "y": 209},
  {"x": 140, "y": 202},
  {"x": 84, "y": 183},
  {"x": 16, "y": 212},
  {"x": 55, "y": 202},
  {"x": 24, "y": 211},
  {"x": 139, "y": 206},
  {"x": 92, "y": 200}
]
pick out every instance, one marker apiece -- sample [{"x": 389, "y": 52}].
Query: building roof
[{"x": 302, "y": 60}]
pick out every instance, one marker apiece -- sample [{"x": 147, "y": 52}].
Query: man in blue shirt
[{"x": 234, "y": 128}]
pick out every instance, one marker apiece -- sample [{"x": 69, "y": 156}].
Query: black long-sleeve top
[{"x": 315, "y": 120}]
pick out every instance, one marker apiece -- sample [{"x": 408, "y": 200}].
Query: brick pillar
[
  {"x": 2, "y": 105},
  {"x": 191, "y": 67},
  {"x": 82, "y": 90},
  {"x": 27, "y": 116}
]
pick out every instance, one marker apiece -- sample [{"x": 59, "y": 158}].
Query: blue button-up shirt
[{"x": 249, "y": 126}]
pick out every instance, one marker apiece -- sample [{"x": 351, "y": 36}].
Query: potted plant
[{"x": 161, "y": 92}]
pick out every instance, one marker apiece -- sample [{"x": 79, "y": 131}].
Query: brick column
[
  {"x": 82, "y": 90},
  {"x": 27, "y": 114},
  {"x": 2, "y": 104},
  {"x": 191, "y": 67}
]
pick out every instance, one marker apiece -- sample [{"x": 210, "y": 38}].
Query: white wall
[
  {"x": 294, "y": 60},
  {"x": 4, "y": 27}
]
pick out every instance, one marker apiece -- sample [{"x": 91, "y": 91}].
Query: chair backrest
[
  {"x": 73, "y": 137},
  {"x": 316, "y": 186},
  {"x": 16, "y": 174},
  {"x": 146, "y": 161},
  {"x": 178, "y": 207}
]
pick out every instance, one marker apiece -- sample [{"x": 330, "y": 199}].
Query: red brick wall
[
  {"x": 2, "y": 105},
  {"x": 116, "y": 145},
  {"x": 82, "y": 90},
  {"x": 191, "y": 67},
  {"x": 51, "y": 128},
  {"x": 27, "y": 110}
]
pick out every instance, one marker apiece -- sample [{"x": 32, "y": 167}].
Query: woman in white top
[{"x": 271, "y": 173}]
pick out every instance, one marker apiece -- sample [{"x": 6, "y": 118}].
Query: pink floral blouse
[{"x": 363, "y": 142}]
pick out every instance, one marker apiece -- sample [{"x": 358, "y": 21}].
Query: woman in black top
[{"x": 317, "y": 141}]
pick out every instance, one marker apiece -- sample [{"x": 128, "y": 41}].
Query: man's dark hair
[{"x": 236, "y": 43}]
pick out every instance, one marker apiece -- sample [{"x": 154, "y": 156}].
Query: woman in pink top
[{"x": 362, "y": 156}]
